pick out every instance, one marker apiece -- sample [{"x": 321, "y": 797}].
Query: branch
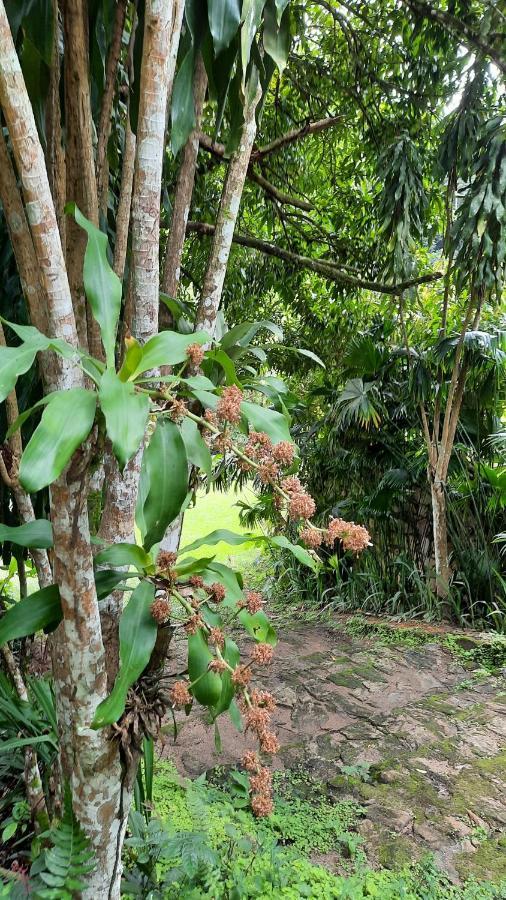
[
  {"x": 458, "y": 28},
  {"x": 218, "y": 150},
  {"x": 326, "y": 269},
  {"x": 295, "y": 135}
]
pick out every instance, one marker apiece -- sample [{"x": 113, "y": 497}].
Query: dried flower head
[
  {"x": 263, "y": 699},
  {"x": 241, "y": 676},
  {"x": 178, "y": 410},
  {"x": 268, "y": 472},
  {"x": 284, "y": 453},
  {"x": 217, "y": 637},
  {"x": 229, "y": 404},
  {"x": 301, "y": 506},
  {"x": 354, "y": 537},
  {"x": 250, "y": 761},
  {"x": 216, "y": 592},
  {"x": 257, "y": 719},
  {"x": 258, "y": 446},
  {"x": 292, "y": 485},
  {"x": 262, "y": 654},
  {"x": 210, "y": 416},
  {"x": 261, "y": 805},
  {"x": 197, "y": 581},
  {"x": 217, "y": 665},
  {"x": 160, "y": 610},
  {"x": 165, "y": 560},
  {"x": 261, "y": 782},
  {"x": 269, "y": 742},
  {"x": 311, "y": 538},
  {"x": 179, "y": 694},
  {"x": 195, "y": 354},
  {"x": 193, "y": 624},
  {"x": 254, "y": 602}
]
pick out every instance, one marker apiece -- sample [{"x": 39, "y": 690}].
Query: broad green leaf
[
  {"x": 19, "y": 421},
  {"x": 109, "y": 580},
  {"x": 126, "y": 414},
  {"x": 303, "y": 352},
  {"x": 258, "y": 626},
  {"x": 299, "y": 552},
  {"x": 221, "y": 534},
  {"x": 41, "y": 609},
  {"x": 182, "y": 106},
  {"x": 241, "y": 335},
  {"x": 37, "y": 534},
  {"x": 260, "y": 418},
  {"x": 14, "y": 361},
  {"x": 65, "y": 424},
  {"x": 222, "y": 359},
  {"x": 167, "y": 349},
  {"x": 251, "y": 16},
  {"x": 206, "y": 686},
  {"x": 191, "y": 565},
  {"x": 164, "y": 482},
  {"x": 101, "y": 284},
  {"x": 280, "y": 8},
  {"x": 131, "y": 360},
  {"x": 224, "y": 17},
  {"x": 232, "y": 656},
  {"x": 197, "y": 450},
  {"x": 276, "y": 36},
  {"x": 207, "y": 399},
  {"x": 123, "y": 554},
  {"x": 231, "y": 581},
  {"x": 137, "y": 636}
]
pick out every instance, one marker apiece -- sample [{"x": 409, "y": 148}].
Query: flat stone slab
[{"x": 423, "y": 744}]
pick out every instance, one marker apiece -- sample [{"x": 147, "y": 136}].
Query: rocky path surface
[{"x": 420, "y": 741}]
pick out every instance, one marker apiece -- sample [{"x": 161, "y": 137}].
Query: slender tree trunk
[
  {"x": 55, "y": 154},
  {"x": 125, "y": 201},
  {"x": 209, "y": 304},
  {"x": 89, "y": 759},
  {"x": 439, "y": 524},
  {"x": 104, "y": 127},
  {"x": 184, "y": 189}
]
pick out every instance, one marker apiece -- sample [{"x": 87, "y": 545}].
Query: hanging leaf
[
  {"x": 108, "y": 580},
  {"x": 231, "y": 655},
  {"x": 65, "y": 424},
  {"x": 182, "y": 108},
  {"x": 137, "y": 636},
  {"x": 101, "y": 284},
  {"x": 167, "y": 349},
  {"x": 37, "y": 534},
  {"x": 42, "y": 609},
  {"x": 258, "y": 626},
  {"x": 300, "y": 553},
  {"x": 123, "y": 554},
  {"x": 131, "y": 359},
  {"x": 221, "y": 534},
  {"x": 14, "y": 361},
  {"x": 164, "y": 482},
  {"x": 276, "y": 36},
  {"x": 251, "y": 17},
  {"x": 197, "y": 450},
  {"x": 126, "y": 414},
  {"x": 280, "y": 8},
  {"x": 224, "y": 17},
  {"x": 260, "y": 418},
  {"x": 231, "y": 581},
  {"x": 206, "y": 686}
]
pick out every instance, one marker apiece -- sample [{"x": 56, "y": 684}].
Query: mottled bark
[
  {"x": 440, "y": 538},
  {"x": 104, "y": 127},
  {"x": 80, "y": 167},
  {"x": 210, "y": 298},
  {"x": 184, "y": 189},
  {"x": 155, "y": 90},
  {"x": 124, "y": 204}
]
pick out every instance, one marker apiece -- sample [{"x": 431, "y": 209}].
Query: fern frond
[{"x": 62, "y": 867}]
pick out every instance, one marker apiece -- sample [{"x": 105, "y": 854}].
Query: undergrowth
[{"x": 203, "y": 844}]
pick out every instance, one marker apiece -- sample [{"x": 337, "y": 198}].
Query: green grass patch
[{"x": 218, "y": 509}]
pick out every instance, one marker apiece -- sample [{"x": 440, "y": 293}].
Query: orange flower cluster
[
  {"x": 229, "y": 405},
  {"x": 216, "y": 592},
  {"x": 241, "y": 676},
  {"x": 253, "y": 602},
  {"x": 217, "y": 637},
  {"x": 217, "y": 665},
  {"x": 192, "y": 625},
  {"x": 260, "y": 784},
  {"x": 165, "y": 560},
  {"x": 179, "y": 694},
  {"x": 160, "y": 610},
  {"x": 262, "y": 654},
  {"x": 353, "y": 537},
  {"x": 195, "y": 354},
  {"x": 178, "y": 410},
  {"x": 311, "y": 538}
]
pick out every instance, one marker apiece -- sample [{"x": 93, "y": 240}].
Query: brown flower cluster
[
  {"x": 261, "y": 805},
  {"x": 195, "y": 354},
  {"x": 263, "y": 699},
  {"x": 241, "y": 676},
  {"x": 257, "y": 719},
  {"x": 217, "y": 665},
  {"x": 179, "y": 694},
  {"x": 284, "y": 453},
  {"x": 254, "y": 602},
  {"x": 165, "y": 560},
  {"x": 301, "y": 506},
  {"x": 178, "y": 410},
  {"x": 217, "y": 637},
  {"x": 311, "y": 538},
  {"x": 192, "y": 625},
  {"x": 262, "y": 654},
  {"x": 216, "y": 592},
  {"x": 353, "y": 537},
  {"x": 160, "y": 610},
  {"x": 229, "y": 405},
  {"x": 197, "y": 581}
]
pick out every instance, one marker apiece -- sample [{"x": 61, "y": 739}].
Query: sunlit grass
[{"x": 219, "y": 510}]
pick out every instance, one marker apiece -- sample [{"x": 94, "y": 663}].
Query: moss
[
  {"x": 395, "y": 852},
  {"x": 493, "y": 764},
  {"x": 342, "y": 680},
  {"x": 487, "y": 862}
]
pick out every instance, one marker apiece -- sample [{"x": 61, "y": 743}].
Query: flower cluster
[
  {"x": 177, "y": 410},
  {"x": 262, "y": 654},
  {"x": 195, "y": 354},
  {"x": 253, "y": 603},
  {"x": 179, "y": 694},
  {"x": 160, "y": 610},
  {"x": 229, "y": 405},
  {"x": 353, "y": 537},
  {"x": 192, "y": 625},
  {"x": 260, "y": 784}
]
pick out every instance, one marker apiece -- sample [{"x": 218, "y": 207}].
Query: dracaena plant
[{"x": 177, "y": 421}]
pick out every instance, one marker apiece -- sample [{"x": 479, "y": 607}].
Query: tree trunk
[
  {"x": 230, "y": 202},
  {"x": 104, "y": 127},
  {"x": 440, "y": 541}
]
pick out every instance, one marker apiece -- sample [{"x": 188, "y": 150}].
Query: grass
[{"x": 214, "y": 510}]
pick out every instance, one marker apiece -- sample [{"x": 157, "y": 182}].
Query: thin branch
[
  {"x": 295, "y": 134},
  {"x": 326, "y": 269},
  {"x": 104, "y": 128}
]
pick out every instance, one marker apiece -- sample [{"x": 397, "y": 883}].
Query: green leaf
[
  {"x": 258, "y": 626},
  {"x": 123, "y": 554},
  {"x": 274, "y": 423},
  {"x": 137, "y": 636},
  {"x": 280, "y": 8},
  {"x": 231, "y": 654},
  {"x": 222, "y": 359},
  {"x": 228, "y": 578},
  {"x": 224, "y": 17},
  {"x": 206, "y": 686},
  {"x": 108, "y": 580},
  {"x": 164, "y": 482},
  {"x": 299, "y": 552},
  {"x": 14, "y": 361},
  {"x": 64, "y": 425},
  {"x": 37, "y": 534},
  {"x": 221, "y": 534},
  {"x": 251, "y": 16},
  {"x": 276, "y": 37},
  {"x": 167, "y": 349},
  {"x": 182, "y": 107},
  {"x": 241, "y": 335},
  {"x": 101, "y": 284},
  {"x": 126, "y": 414},
  {"x": 21, "y": 419},
  {"x": 41, "y": 609},
  {"x": 191, "y": 565},
  {"x": 197, "y": 450}
]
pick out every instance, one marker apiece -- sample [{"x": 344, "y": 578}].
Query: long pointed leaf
[
  {"x": 37, "y": 534},
  {"x": 164, "y": 482},
  {"x": 126, "y": 414},
  {"x": 39, "y": 610}
]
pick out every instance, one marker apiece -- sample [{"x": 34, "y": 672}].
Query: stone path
[{"x": 422, "y": 743}]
